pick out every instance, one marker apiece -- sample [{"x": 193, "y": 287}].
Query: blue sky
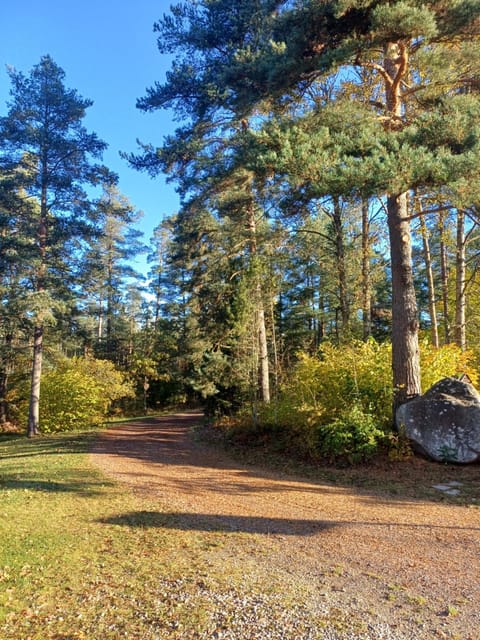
[{"x": 109, "y": 53}]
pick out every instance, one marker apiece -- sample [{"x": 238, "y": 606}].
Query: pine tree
[
  {"x": 405, "y": 45},
  {"x": 262, "y": 62},
  {"x": 211, "y": 179},
  {"x": 15, "y": 251},
  {"x": 109, "y": 269},
  {"x": 43, "y": 128},
  {"x": 157, "y": 258}
]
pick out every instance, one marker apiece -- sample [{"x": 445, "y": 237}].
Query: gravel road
[{"x": 381, "y": 567}]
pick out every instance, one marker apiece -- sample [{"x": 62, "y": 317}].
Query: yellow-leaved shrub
[
  {"x": 447, "y": 361},
  {"x": 77, "y": 394},
  {"x": 338, "y": 404}
]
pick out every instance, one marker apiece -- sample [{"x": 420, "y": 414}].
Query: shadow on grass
[
  {"x": 219, "y": 523},
  {"x": 23, "y": 466},
  {"x": 19, "y": 446},
  {"x": 80, "y": 487}
]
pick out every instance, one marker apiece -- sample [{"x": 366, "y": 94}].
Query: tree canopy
[{"x": 342, "y": 99}]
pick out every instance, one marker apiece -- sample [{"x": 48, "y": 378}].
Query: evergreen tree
[
  {"x": 420, "y": 53},
  {"x": 15, "y": 251},
  {"x": 43, "y": 128},
  {"x": 109, "y": 271},
  {"x": 346, "y": 99},
  {"x": 232, "y": 58},
  {"x": 212, "y": 179},
  {"x": 157, "y": 258}
]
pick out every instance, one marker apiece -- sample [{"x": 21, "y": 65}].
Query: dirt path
[{"x": 413, "y": 564}]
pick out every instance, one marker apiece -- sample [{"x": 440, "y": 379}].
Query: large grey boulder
[{"x": 444, "y": 423}]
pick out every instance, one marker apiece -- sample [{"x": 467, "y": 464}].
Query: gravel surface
[{"x": 347, "y": 563}]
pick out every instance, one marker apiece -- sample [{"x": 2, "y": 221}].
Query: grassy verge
[{"x": 81, "y": 557}]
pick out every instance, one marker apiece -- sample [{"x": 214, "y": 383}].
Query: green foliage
[
  {"x": 289, "y": 105},
  {"x": 78, "y": 394},
  {"x": 399, "y": 446},
  {"x": 355, "y": 436},
  {"x": 448, "y": 454},
  {"x": 352, "y": 437},
  {"x": 338, "y": 405},
  {"x": 327, "y": 386},
  {"x": 403, "y": 20}
]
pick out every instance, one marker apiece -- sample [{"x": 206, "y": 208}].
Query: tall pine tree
[{"x": 43, "y": 127}]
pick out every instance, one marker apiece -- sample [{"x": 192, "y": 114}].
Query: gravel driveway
[{"x": 407, "y": 568}]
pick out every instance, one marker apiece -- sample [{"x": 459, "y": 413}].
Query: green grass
[
  {"x": 64, "y": 571},
  {"x": 84, "y": 558}
]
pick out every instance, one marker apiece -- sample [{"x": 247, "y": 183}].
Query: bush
[
  {"x": 325, "y": 387},
  {"x": 354, "y": 437},
  {"x": 78, "y": 394},
  {"x": 446, "y": 361},
  {"x": 338, "y": 405}
]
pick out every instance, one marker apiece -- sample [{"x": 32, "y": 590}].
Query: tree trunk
[
  {"x": 322, "y": 329},
  {"x": 444, "y": 278},
  {"x": 146, "y": 386},
  {"x": 34, "y": 410},
  {"x": 366, "y": 284},
  {"x": 405, "y": 348},
  {"x": 264, "y": 372},
  {"x": 6, "y": 362},
  {"x": 158, "y": 286},
  {"x": 3, "y": 396},
  {"x": 339, "y": 243},
  {"x": 460, "y": 282},
  {"x": 100, "y": 320},
  {"x": 108, "y": 326},
  {"x": 431, "y": 285},
  {"x": 263, "y": 369},
  {"x": 158, "y": 303},
  {"x": 274, "y": 347}
]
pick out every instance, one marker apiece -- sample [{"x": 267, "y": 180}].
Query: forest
[{"x": 323, "y": 266}]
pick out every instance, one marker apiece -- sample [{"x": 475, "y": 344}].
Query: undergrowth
[{"x": 337, "y": 406}]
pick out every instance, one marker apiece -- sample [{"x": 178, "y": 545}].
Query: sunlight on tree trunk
[
  {"x": 444, "y": 277},
  {"x": 405, "y": 347},
  {"x": 34, "y": 409},
  {"x": 460, "y": 284},
  {"x": 339, "y": 243},
  {"x": 430, "y": 282},
  {"x": 263, "y": 364},
  {"x": 366, "y": 284}
]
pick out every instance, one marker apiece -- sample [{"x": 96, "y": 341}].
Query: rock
[
  {"x": 447, "y": 488},
  {"x": 444, "y": 423}
]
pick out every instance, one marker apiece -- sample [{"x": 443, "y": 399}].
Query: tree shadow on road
[
  {"x": 167, "y": 441},
  {"x": 252, "y": 524},
  {"x": 219, "y": 523}
]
